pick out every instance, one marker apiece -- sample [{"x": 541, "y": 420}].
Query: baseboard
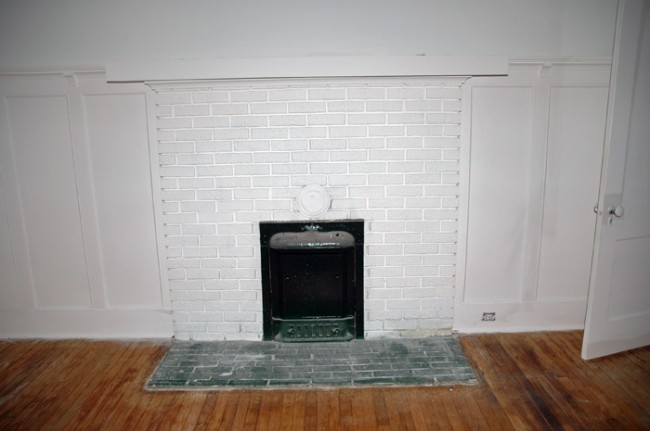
[
  {"x": 99, "y": 324},
  {"x": 520, "y": 317}
]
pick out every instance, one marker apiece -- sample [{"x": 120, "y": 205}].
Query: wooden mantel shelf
[{"x": 304, "y": 67}]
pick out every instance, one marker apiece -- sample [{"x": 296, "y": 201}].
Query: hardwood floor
[{"x": 528, "y": 382}]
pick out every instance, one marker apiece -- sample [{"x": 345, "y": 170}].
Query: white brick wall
[{"x": 232, "y": 155}]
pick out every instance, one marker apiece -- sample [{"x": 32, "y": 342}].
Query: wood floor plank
[
  {"x": 275, "y": 419},
  {"x": 334, "y": 411},
  {"x": 452, "y": 414},
  {"x": 515, "y": 396},
  {"x": 23, "y": 388},
  {"x": 19, "y": 360},
  {"x": 115, "y": 381},
  {"x": 241, "y": 412},
  {"x": 526, "y": 381},
  {"x": 205, "y": 413},
  {"x": 434, "y": 414},
  {"x": 288, "y": 405},
  {"x": 252, "y": 415},
  {"x": 230, "y": 412},
  {"x": 21, "y": 377},
  {"x": 345, "y": 404},
  {"x": 363, "y": 411},
  {"x": 530, "y": 366},
  {"x": 627, "y": 375},
  {"x": 216, "y": 415},
  {"x": 400, "y": 401},
  {"x": 603, "y": 401},
  {"x": 190, "y": 410},
  {"x": 78, "y": 383},
  {"x": 398, "y": 410},
  {"x": 547, "y": 373},
  {"x": 298, "y": 420},
  {"x": 478, "y": 419},
  {"x": 486, "y": 400},
  {"x": 172, "y": 403},
  {"x": 423, "y": 415},
  {"x": 93, "y": 407},
  {"x": 153, "y": 406},
  {"x": 379, "y": 404},
  {"x": 311, "y": 411},
  {"x": 49, "y": 389},
  {"x": 133, "y": 399}
]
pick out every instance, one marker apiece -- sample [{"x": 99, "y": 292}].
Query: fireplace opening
[{"x": 312, "y": 280}]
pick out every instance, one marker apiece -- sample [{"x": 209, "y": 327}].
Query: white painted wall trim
[
  {"x": 521, "y": 316},
  {"x": 529, "y": 311},
  {"x": 157, "y": 199},
  {"x": 271, "y": 83},
  {"x": 116, "y": 285},
  {"x": 104, "y": 324},
  {"x": 304, "y": 67}
]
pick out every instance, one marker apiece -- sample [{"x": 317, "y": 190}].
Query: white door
[{"x": 618, "y": 308}]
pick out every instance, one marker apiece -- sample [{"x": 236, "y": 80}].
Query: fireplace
[
  {"x": 312, "y": 280},
  {"x": 236, "y": 154}
]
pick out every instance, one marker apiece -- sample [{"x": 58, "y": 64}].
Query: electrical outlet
[{"x": 489, "y": 316}]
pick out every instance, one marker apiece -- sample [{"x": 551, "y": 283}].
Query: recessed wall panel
[
  {"x": 501, "y": 136},
  {"x": 47, "y": 186},
  {"x": 573, "y": 161},
  {"x": 9, "y": 288},
  {"x": 119, "y": 153}
]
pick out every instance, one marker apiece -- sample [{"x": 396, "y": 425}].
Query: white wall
[
  {"x": 73, "y": 222},
  {"x": 78, "y": 253},
  {"x": 532, "y": 153},
  {"x": 44, "y": 33}
]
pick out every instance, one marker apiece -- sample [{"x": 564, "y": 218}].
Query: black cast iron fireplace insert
[{"x": 312, "y": 280}]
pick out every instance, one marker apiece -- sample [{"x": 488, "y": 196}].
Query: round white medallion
[{"x": 313, "y": 201}]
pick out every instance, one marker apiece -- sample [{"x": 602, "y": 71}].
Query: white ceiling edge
[{"x": 304, "y": 67}]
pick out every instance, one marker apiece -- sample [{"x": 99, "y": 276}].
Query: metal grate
[{"x": 312, "y": 280}]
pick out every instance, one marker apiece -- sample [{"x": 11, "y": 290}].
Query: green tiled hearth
[{"x": 240, "y": 364}]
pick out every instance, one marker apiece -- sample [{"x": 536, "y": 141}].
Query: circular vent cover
[{"x": 313, "y": 201}]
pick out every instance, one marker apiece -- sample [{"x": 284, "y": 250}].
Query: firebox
[{"x": 312, "y": 280}]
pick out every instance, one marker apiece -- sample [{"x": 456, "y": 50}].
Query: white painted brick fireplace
[{"x": 234, "y": 153}]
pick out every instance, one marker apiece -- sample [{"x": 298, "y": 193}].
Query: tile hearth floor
[{"x": 256, "y": 364}]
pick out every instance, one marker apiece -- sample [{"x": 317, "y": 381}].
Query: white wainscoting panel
[
  {"x": 117, "y": 134},
  {"x": 10, "y": 291},
  {"x": 500, "y": 156},
  {"x": 531, "y": 157},
  {"x": 78, "y": 251},
  {"x": 574, "y": 158},
  {"x": 44, "y": 165}
]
